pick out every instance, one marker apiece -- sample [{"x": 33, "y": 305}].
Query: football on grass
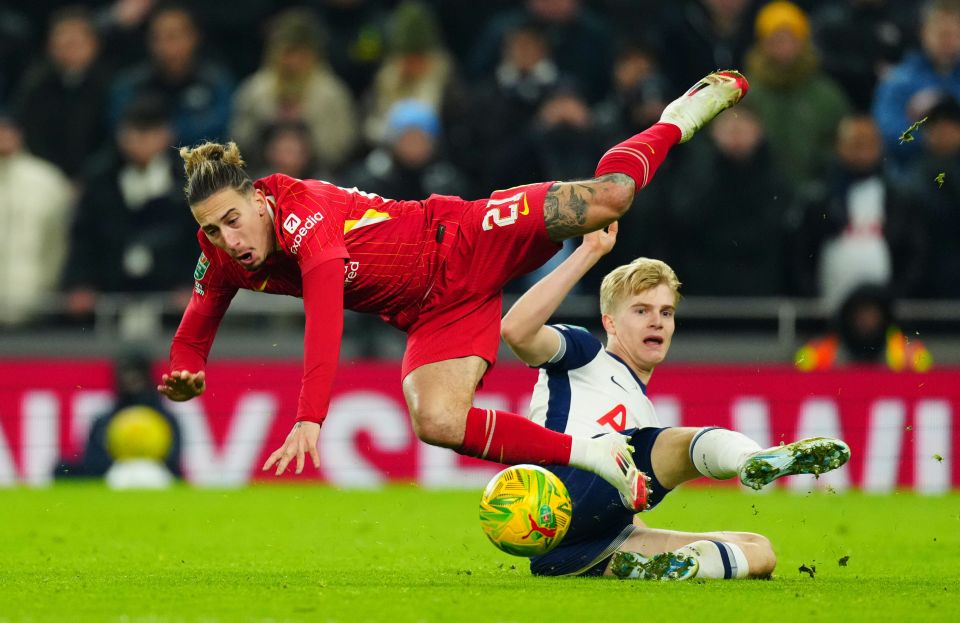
[{"x": 525, "y": 510}]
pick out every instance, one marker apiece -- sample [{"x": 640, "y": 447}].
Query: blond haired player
[{"x": 585, "y": 390}]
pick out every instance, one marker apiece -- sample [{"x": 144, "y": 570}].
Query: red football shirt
[{"x": 389, "y": 252}]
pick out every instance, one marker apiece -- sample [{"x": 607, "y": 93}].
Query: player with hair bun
[{"x": 433, "y": 268}]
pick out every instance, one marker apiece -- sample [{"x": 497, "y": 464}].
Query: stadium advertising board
[{"x": 903, "y": 429}]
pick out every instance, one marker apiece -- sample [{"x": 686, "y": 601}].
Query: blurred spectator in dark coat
[
  {"x": 935, "y": 186},
  {"x": 296, "y": 83},
  {"x": 135, "y": 387},
  {"x": 287, "y": 147},
  {"x": 196, "y": 92},
  {"x": 357, "y": 32},
  {"x": 35, "y": 207},
  {"x": 800, "y": 105},
  {"x": 924, "y": 76},
  {"x": 61, "y": 100},
  {"x": 561, "y": 144},
  {"x": 700, "y": 36},
  {"x": 580, "y": 38},
  {"x": 504, "y": 105},
  {"x": 860, "y": 41},
  {"x": 640, "y": 93},
  {"x": 133, "y": 231},
  {"x": 409, "y": 164},
  {"x": 856, "y": 225},
  {"x": 728, "y": 212}
]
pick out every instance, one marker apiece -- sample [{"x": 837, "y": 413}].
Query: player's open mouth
[
  {"x": 246, "y": 258},
  {"x": 653, "y": 341}
]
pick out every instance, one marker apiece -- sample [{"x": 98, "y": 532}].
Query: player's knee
[
  {"x": 437, "y": 427},
  {"x": 762, "y": 558}
]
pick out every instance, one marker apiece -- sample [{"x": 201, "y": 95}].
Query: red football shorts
[{"x": 499, "y": 239}]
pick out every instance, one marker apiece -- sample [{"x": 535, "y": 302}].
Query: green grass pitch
[{"x": 311, "y": 553}]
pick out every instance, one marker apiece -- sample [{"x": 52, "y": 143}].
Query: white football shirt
[{"x": 584, "y": 390}]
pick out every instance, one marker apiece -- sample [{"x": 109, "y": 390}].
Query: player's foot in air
[
  {"x": 666, "y": 566},
  {"x": 816, "y": 455},
  {"x": 615, "y": 465},
  {"x": 705, "y": 100}
]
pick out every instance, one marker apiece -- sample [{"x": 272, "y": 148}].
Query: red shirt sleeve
[
  {"x": 323, "y": 306},
  {"x": 310, "y": 219},
  {"x": 211, "y": 298}
]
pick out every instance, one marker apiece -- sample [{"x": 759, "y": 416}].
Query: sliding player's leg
[
  {"x": 650, "y": 553},
  {"x": 576, "y": 208},
  {"x": 682, "y": 454}
]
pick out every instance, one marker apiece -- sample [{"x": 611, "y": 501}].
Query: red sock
[
  {"x": 639, "y": 156},
  {"x": 509, "y": 438}
]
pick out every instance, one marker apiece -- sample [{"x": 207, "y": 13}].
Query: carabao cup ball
[
  {"x": 138, "y": 432},
  {"x": 525, "y": 510}
]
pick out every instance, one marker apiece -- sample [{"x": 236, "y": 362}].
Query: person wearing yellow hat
[{"x": 800, "y": 105}]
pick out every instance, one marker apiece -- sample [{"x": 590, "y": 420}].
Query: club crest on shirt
[{"x": 202, "y": 265}]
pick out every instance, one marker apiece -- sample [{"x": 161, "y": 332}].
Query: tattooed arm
[{"x": 576, "y": 208}]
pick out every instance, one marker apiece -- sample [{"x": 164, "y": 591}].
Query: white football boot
[
  {"x": 616, "y": 466},
  {"x": 705, "y": 100},
  {"x": 816, "y": 455}
]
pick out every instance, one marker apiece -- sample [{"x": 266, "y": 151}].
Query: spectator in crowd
[
  {"x": 357, "y": 31},
  {"x": 17, "y": 37},
  {"x": 561, "y": 143},
  {"x": 131, "y": 232},
  {"x": 505, "y": 104},
  {"x": 133, "y": 384},
  {"x": 410, "y": 162},
  {"x": 35, "y": 204},
  {"x": 731, "y": 219},
  {"x": 296, "y": 83},
  {"x": 860, "y": 41},
  {"x": 196, "y": 92},
  {"x": 579, "y": 37},
  {"x": 702, "y": 35},
  {"x": 417, "y": 66},
  {"x": 638, "y": 96},
  {"x": 856, "y": 225},
  {"x": 935, "y": 186},
  {"x": 288, "y": 148},
  {"x": 865, "y": 332},
  {"x": 924, "y": 76},
  {"x": 61, "y": 100},
  {"x": 799, "y": 105}
]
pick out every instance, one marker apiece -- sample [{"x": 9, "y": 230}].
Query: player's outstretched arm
[
  {"x": 524, "y": 327},
  {"x": 323, "y": 307}
]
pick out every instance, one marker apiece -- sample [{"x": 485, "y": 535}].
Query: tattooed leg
[{"x": 573, "y": 209}]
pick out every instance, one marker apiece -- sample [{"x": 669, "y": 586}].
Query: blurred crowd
[{"x": 813, "y": 186}]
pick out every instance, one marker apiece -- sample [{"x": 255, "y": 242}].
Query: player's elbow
[
  {"x": 512, "y": 334},
  {"x": 614, "y": 195}
]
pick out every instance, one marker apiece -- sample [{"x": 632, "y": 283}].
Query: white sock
[
  {"x": 718, "y": 560},
  {"x": 580, "y": 453},
  {"x": 719, "y": 453}
]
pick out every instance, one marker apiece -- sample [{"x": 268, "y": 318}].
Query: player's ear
[
  {"x": 261, "y": 201},
  {"x": 609, "y": 325}
]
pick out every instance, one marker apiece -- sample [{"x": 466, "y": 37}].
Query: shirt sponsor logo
[
  {"x": 291, "y": 223},
  {"x": 202, "y": 265},
  {"x": 312, "y": 221},
  {"x": 350, "y": 272},
  {"x": 198, "y": 288}
]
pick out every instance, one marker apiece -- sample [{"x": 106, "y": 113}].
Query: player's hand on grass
[
  {"x": 182, "y": 385},
  {"x": 600, "y": 242},
  {"x": 301, "y": 441}
]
